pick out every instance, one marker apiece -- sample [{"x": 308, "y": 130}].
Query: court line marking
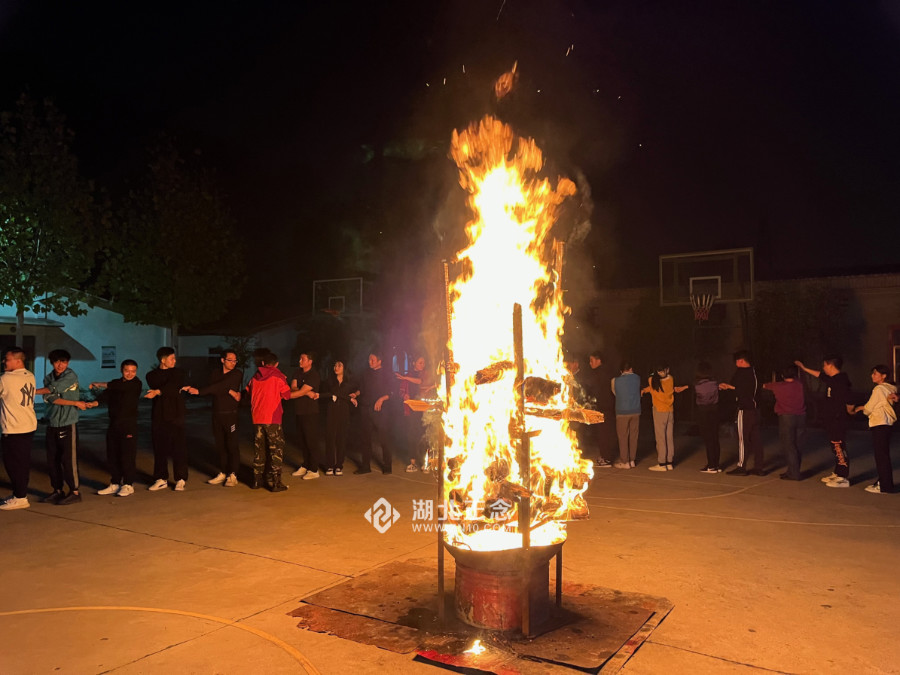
[
  {"x": 684, "y": 499},
  {"x": 209, "y": 547},
  {"x": 298, "y": 656},
  {"x": 745, "y": 519}
]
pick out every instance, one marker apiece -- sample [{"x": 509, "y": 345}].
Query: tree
[
  {"x": 175, "y": 260},
  {"x": 807, "y": 323},
  {"x": 47, "y": 225}
]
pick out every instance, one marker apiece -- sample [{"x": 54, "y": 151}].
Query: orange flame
[{"x": 509, "y": 259}]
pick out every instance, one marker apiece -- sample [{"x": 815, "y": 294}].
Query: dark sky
[{"x": 698, "y": 125}]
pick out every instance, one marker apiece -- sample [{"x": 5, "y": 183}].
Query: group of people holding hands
[
  {"x": 168, "y": 386},
  {"x": 366, "y": 400},
  {"x": 790, "y": 406}
]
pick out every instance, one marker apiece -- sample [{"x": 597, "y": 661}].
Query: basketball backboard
[
  {"x": 726, "y": 275},
  {"x": 338, "y": 296}
]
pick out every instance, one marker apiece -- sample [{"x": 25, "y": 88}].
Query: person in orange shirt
[{"x": 662, "y": 392}]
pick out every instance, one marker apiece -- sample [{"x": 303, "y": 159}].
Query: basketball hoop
[{"x": 701, "y": 305}]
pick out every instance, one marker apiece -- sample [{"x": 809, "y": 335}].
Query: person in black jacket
[
  {"x": 166, "y": 383},
  {"x": 836, "y": 411},
  {"x": 122, "y": 396},
  {"x": 340, "y": 394},
  {"x": 745, "y": 385},
  {"x": 225, "y": 387},
  {"x": 374, "y": 396},
  {"x": 307, "y": 382},
  {"x": 595, "y": 383}
]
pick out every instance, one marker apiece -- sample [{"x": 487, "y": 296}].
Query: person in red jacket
[{"x": 268, "y": 388}]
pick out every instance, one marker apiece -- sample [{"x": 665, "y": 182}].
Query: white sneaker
[
  {"x": 329, "y": 472},
  {"x": 875, "y": 487},
  {"x": 632, "y": 464},
  {"x": 111, "y": 489},
  {"x": 412, "y": 468},
  {"x": 838, "y": 482},
  {"x": 622, "y": 465},
  {"x": 160, "y": 484},
  {"x": 670, "y": 467},
  {"x": 828, "y": 479},
  {"x": 218, "y": 480},
  {"x": 125, "y": 491},
  {"x": 179, "y": 486},
  {"x": 310, "y": 475},
  {"x": 659, "y": 467},
  {"x": 300, "y": 472},
  {"x": 14, "y": 503},
  {"x": 231, "y": 481},
  {"x": 338, "y": 472}
]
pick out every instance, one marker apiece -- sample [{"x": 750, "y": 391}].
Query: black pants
[
  {"x": 881, "y": 444},
  {"x": 600, "y": 439},
  {"x": 708, "y": 421},
  {"x": 62, "y": 457},
  {"x": 225, "y": 436},
  {"x": 168, "y": 441},
  {"x": 375, "y": 426},
  {"x": 749, "y": 439},
  {"x": 337, "y": 428},
  {"x": 837, "y": 434},
  {"x": 415, "y": 437},
  {"x": 308, "y": 441},
  {"x": 790, "y": 432},
  {"x": 121, "y": 451},
  {"x": 17, "y": 461}
]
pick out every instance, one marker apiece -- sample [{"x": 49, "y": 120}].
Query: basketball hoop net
[{"x": 701, "y": 305}]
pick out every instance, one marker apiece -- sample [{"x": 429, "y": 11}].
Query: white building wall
[
  {"x": 198, "y": 345},
  {"x": 85, "y": 336}
]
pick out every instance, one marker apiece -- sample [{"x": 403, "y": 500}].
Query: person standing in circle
[
  {"x": 881, "y": 414},
  {"x": 706, "y": 399},
  {"x": 662, "y": 392},
  {"x": 340, "y": 394}
]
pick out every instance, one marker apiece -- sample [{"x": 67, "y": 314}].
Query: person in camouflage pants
[
  {"x": 268, "y": 388},
  {"x": 268, "y": 444}
]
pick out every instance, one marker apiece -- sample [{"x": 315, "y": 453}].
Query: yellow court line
[{"x": 304, "y": 662}]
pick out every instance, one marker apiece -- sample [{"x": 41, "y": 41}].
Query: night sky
[{"x": 697, "y": 125}]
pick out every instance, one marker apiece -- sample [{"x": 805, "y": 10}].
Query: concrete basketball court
[{"x": 765, "y": 575}]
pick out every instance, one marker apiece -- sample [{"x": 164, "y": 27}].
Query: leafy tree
[
  {"x": 805, "y": 323},
  {"x": 47, "y": 224},
  {"x": 243, "y": 347},
  {"x": 175, "y": 260}
]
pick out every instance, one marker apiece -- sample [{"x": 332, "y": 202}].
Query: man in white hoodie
[{"x": 18, "y": 423}]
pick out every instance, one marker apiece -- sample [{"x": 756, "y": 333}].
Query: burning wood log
[
  {"x": 417, "y": 405},
  {"x": 539, "y": 390},
  {"x": 511, "y": 491},
  {"x": 582, "y": 415},
  {"x": 493, "y": 372}
]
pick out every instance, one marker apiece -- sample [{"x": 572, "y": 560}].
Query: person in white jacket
[
  {"x": 880, "y": 411},
  {"x": 18, "y": 423}
]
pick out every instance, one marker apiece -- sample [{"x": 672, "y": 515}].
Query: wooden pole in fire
[
  {"x": 559, "y": 249},
  {"x": 448, "y": 358},
  {"x": 524, "y": 459}
]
